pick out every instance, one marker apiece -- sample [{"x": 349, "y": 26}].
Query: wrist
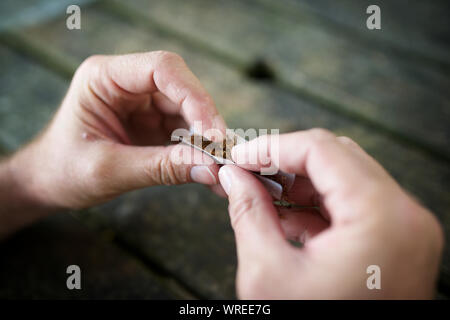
[
  {"x": 21, "y": 201},
  {"x": 29, "y": 176}
]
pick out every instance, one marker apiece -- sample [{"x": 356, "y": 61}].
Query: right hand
[{"x": 365, "y": 219}]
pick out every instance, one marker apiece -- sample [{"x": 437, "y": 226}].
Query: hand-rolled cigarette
[{"x": 277, "y": 184}]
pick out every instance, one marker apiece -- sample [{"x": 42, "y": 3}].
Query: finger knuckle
[
  {"x": 239, "y": 207},
  {"x": 93, "y": 59},
  {"x": 320, "y": 139},
  {"x": 162, "y": 171},
  {"x": 204, "y": 100},
  {"x": 167, "y": 57},
  {"x": 91, "y": 62},
  {"x": 320, "y": 134},
  {"x": 348, "y": 141},
  {"x": 89, "y": 69}
]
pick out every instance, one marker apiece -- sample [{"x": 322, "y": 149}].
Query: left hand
[{"x": 108, "y": 136}]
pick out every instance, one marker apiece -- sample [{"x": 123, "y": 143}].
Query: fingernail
[
  {"x": 225, "y": 179},
  {"x": 203, "y": 174}
]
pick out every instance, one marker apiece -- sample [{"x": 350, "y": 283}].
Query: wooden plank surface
[
  {"x": 14, "y": 13},
  {"x": 33, "y": 262},
  {"x": 23, "y": 115},
  {"x": 185, "y": 230},
  {"x": 414, "y": 26},
  {"x": 366, "y": 83}
]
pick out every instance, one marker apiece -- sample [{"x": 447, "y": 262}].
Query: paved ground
[{"x": 268, "y": 64}]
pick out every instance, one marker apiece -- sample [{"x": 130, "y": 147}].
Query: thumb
[
  {"x": 123, "y": 168},
  {"x": 253, "y": 217}
]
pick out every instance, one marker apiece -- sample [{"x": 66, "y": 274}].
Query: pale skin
[
  {"x": 109, "y": 136},
  {"x": 365, "y": 219}
]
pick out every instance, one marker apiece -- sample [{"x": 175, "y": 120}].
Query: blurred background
[{"x": 286, "y": 64}]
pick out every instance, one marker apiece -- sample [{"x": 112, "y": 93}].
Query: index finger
[{"x": 167, "y": 73}]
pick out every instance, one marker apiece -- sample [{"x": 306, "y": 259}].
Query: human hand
[
  {"x": 108, "y": 135},
  {"x": 365, "y": 219}
]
